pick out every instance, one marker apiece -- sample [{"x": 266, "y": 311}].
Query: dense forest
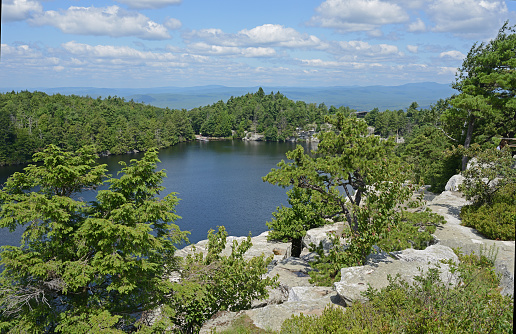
[{"x": 30, "y": 121}]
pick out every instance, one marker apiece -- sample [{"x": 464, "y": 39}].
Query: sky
[{"x": 239, "y": 43}]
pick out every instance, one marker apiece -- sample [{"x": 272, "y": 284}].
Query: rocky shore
[{"x": 296, "y": 295}]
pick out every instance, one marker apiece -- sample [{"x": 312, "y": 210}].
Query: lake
[{"x": 218, "y": 182}]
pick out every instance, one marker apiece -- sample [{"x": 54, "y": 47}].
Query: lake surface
[{"x": 218, "y": 182}]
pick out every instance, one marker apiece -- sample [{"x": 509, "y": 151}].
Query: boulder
[
  {"x": 454, "y": 182},
  {"x": 279, "y": 250},
  {"x": 407, "y": 264},
  {"x": 321, "y": 235},
  {"x": 292, "y": 271}
]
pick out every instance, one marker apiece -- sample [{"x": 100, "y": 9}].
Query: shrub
[
  {"x": 411, "y": 230},
  {"x": 414, "y": 231},
  {"x": 494, "y": 221},
  {"x": 426, "y": 306}
]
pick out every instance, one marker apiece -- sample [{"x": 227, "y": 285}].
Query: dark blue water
[{"x": 218, "y": 182}]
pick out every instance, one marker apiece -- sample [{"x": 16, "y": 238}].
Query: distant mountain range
[{"x": 356, "y": 97}]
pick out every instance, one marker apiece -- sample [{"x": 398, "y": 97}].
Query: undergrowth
[
  {"x": 414, "y": 230},
  {"x": 495, "y": 220},
  {"x": 468, "y": 302}
]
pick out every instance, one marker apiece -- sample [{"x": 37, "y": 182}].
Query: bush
[
  {"x": 426, "y": 306},
  {"x": 412, "y": 230},
  {"x": 494, "y": 221}
]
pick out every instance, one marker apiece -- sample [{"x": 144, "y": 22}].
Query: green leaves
[
  {"x": 351, "y": 176},
  {"x": 100, "y": 263},
  {"x": 214, "y": 282}
]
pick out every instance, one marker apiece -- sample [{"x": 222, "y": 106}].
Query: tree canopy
[
  {"x": 348, "y": 165},
  {"x": 486, "y": 105}
]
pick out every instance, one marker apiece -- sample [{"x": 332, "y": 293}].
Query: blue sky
[{"x": 156, "y": 43}]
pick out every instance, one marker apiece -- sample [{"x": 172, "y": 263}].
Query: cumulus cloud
[
  {"x": 412, "y": 48},
  {"x": 278, "y": 35},
  {"x": 18, "y": 10},
  {"x": 417, "y": 26},
  {"x": 219, "y": 50},
  {"x": 108, "y": 21},
  {"x": 452, "y": 54},
  {"x": 172, "y": 24},
  {"x": 263, "y": 38},
  {"x": 357, "y": 15},
  {"x": 468, "y": 18},
  {"x": 150, "y": 4}
]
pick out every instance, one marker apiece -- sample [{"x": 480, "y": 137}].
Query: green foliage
[
  {"x": 426, "y": 148},
  {"x": 213, "y": 282},
  {"x": 348, "y": 159},
  {"x": 485, "y": 106},
  {"x": 274, "y": 115},
  {"x": 428, "y": 305},
  {"x": 242, "y": 325},
  {"x": 491, "y": 171},
  {"x": 496, "y": 220},
  {"x": 31, "y": 121},
  {"x": 291, "y": 223},
  {"x": 81, "y": 265},
  {"x": 414, "y": 231},
  {"x": 411, "y": 230}
]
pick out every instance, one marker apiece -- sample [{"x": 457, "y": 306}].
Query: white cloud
[
  {"x": 219, "y": 50},
  {"x": 447, "y": 70},
  {"x": 358, "y": 15},
  {"x": 114, "y": 52},
  {"x": 417, "y": 26},
  {"x": 412, "y": 48},
  {"x": 172, "y": 24},
  {"x": 108, "y": 21},
  {"x": 339, "y": 64},
  {"x": 279, "y": 35},
  {"x": 18, "y": 10},
  {"x": 205, "y": 48},
  {"x": 259, "y": 52},
  {"x": 468, "y": 18},
  {"x": 352, "y": 50},
  {"x": 453, "y": 54},
  {"x": 268, "y": 35},
  {"x": 151, "y": 4}
]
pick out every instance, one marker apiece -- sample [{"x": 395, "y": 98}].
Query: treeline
[
  {"x": 274, "y": 115},
  {"x": 31, "y": 121}
]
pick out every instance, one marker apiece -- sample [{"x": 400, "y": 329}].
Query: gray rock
[
  {"x": 321, "y": 235},
  {"x": 407, "y": 264},
  {"x": 303, "y": 293},
  {"x": 454, "y": 182},
  {"x": 292, "y": 271},
  {"x": 454, "y": 235}
]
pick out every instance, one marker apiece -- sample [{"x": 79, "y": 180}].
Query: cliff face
[{"x": 296, "y": 295}]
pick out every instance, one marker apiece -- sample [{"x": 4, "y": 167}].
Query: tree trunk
[
  {"x": 297, "y": 246},
  {"x": 467, "y": 141}
]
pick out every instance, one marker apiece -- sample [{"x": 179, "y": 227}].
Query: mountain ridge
[{"x": 361, "y": 98}]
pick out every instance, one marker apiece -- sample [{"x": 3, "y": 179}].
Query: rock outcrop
[
  {"x": 297, "y": 295},
  {"x": 407, "y": 264}
]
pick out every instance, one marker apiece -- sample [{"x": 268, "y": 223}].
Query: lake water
[{"x": 218, "y": 182}]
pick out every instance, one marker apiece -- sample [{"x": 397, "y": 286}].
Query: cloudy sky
[{"x": 155, "y": 43}]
